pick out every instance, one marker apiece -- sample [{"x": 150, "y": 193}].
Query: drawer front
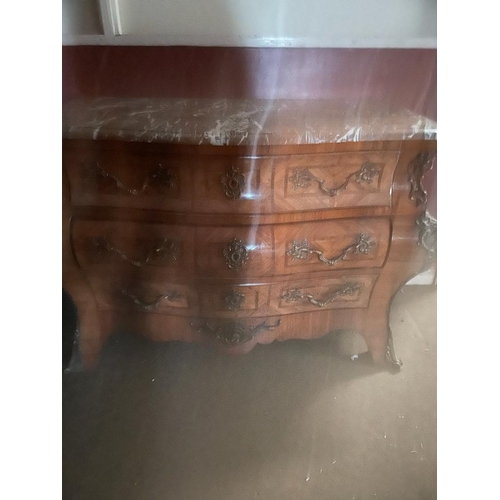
[
  {"x": 193, "y": 183},
  {"x": 341, "y": 292},
  {"x": 228, "y": 184},
  {"x": 337, "y": 244},
  {"x": 123, "y": 178},
  {"x": 314, "y": 295},
  {"x": 222, "y": 300},
  {"x": 306, "y": 182},
  {"x": 225, "y": 300},
  {"x": 231, "y": 184},
  {"x": 127, "y": 248},
  {"x": 147, "y": 296},
  {"x": 173, "y": 250},
  {"x": 234, "y": 252}
]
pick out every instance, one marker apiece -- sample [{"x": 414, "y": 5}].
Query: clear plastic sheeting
[
  {"x": 252, "y": 177},
  {"x": 247, "y": 122}
]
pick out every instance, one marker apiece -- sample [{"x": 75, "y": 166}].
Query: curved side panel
[{"x": 89, "y": 334}]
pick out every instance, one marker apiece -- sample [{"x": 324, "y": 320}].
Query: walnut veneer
[{"x": 241, "y": 244}]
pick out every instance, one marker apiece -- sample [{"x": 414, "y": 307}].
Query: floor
[{"x": 297, "y": 420}]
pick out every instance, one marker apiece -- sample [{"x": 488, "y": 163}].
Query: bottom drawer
[
  {"x": 332, "y": 293},
  {"x": 226, "y": 300},
  {"x": 145, "y": 296}
]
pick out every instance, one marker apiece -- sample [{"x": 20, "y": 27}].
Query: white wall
[
  {"x": 81, "y": 17},
  {"x": 301, "y": 23}
]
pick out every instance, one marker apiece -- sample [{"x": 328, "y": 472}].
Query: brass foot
[{"x": 393, "y": 362}]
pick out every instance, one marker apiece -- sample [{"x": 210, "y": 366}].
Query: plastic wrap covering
[
  {"x": 231, "y": 122},
  {"x": 239, "y": 173},
  {"x": 236, "y": 196}
]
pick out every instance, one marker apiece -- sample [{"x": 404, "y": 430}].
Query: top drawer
[
  {"x": 177, "y": 183},
  {"x": 228, "y": 184},
  {"x": 305, "y": 182},
  {"x": 124, "y": 178}
]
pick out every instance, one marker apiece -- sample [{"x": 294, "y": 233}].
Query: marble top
[{"x": 223, "y": 122}]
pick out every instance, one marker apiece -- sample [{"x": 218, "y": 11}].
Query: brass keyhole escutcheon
[
  {"x": 233, "y": 183},
  {"x": 235, "y": 253}
]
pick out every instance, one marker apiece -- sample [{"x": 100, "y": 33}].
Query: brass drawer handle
[
  {"x": 171, "y": 295},
  {"x": 296, "y": 295},
  {"x": 233, "y": 183},
  {"x": 300, "y": 250},
  {"x": 235, "y": 332},
  {"x": 303, "y": 178},
  {"x": 160, "y": 176},
  {"x": 165, "y": 249}
]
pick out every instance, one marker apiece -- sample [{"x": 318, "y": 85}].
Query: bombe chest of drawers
[{"x": 237, "y": 222}]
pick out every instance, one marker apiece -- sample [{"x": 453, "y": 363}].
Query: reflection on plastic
[{"x": 242, "y": 122}]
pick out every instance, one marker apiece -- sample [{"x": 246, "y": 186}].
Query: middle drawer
[{"x": 230, "y": 252}]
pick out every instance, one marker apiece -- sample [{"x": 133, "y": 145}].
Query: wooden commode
[{"x": 239, "y": 222}]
